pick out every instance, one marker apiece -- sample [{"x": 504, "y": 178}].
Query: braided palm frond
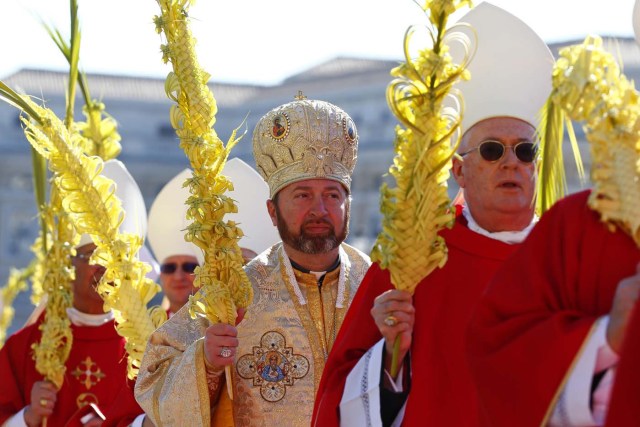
[
  {"x": 88, "y": 200},
  {"x": 51, "y": 353},
  {"x": 589, "y": 86},
  {"x": 419, "y": 207},
  {"x": 224, "y": 283}
]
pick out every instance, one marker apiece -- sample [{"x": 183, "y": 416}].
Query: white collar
[
  {"x": 508, "y": 237},
  {"x": 79, "y": 318}
]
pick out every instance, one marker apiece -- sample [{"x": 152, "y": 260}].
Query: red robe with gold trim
[
  {"x": 540, "y": 308},
  {"x": 442, "y": 393},
  {"x": 96, "y": 371}
]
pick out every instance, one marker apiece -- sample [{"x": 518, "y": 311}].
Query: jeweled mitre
[{"x": 305, "y": 139}]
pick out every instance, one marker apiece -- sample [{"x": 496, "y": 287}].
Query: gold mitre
[{"x": 305, "y": 139}]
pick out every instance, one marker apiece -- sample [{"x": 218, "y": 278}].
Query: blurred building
[{"x": 151, "y": 151}]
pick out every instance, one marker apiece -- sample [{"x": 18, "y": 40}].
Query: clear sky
[{"x": 262, "y": 42}]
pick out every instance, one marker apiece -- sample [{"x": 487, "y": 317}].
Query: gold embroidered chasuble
[{"x": 284, "y": 341}]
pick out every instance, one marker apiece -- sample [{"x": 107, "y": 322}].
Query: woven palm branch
[
  {"x": 589, "y": 87},
  {"x": 224, "y": 282},
  {"x": 419, "y": 206},
  {"x": 89, "y": 201}
]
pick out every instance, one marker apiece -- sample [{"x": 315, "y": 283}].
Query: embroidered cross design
[
  {"x": 88, "y": 373},
  {"x": 273, "y": 366}
]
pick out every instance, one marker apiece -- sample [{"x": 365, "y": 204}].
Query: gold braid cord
[
  {"x": 51, "y": 353},
  {"x": 89, "y": 201},
  {"x": 589, "y": 86},
  {"x": 16, "y": 283},
  {"x": 419, "y": 206},
  {"x": 224, "y": 283}
]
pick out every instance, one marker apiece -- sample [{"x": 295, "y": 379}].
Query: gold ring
[
  {"x": 43, "y": 402},
  {"x": 391, "y": 320}
]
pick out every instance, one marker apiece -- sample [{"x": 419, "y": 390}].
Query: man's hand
[
  {"x": 220, "y": 339},
  {"x": 394, "y": 315},
  {"x": 623, "y": 302},
  {"x": 43, "y": 400}
]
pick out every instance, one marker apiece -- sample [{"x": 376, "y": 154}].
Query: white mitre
[
  {"x": 510, "y": 71},
  {"x": 250, "y": 192},
  {"x": 168, "y": 220},
  {"x": 167, "y": 216}
]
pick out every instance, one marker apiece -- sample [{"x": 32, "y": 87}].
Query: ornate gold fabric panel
[{"x": 282, "y": 350}]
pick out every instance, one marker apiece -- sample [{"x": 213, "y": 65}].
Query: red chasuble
[
  {"x": 124, "y": 409},
  {"x": 539, "y": 309},
  {"x": 442, "y": 393},
  {"x": 96, "y": 371},
  {"x": 624, "y": 407}
]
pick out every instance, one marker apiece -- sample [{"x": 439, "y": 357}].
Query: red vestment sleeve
[
  {"x": 13, "y": 360},
  {"x": 624, "y": 407},
  {"x": 536, "y": 313}
]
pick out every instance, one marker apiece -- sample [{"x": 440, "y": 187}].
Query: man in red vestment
[
  {"x": 496, "y": 171},
  {"x": 545, "y": 342},
  {"x": 96, "y": 368},
  {"x": 541, "y": 340}
]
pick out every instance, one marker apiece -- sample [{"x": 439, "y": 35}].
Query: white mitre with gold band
[
  {"x": 168, "y": 220},
  {"x": 510, "y": 71},
  {"x": 305, "y": 139},
  {"x": 250, "y": 193},
  {"x": 127, "y": 190}
]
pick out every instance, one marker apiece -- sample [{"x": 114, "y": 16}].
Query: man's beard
[{"x": 316, "y": 244}]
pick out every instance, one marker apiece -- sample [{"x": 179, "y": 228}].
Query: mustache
[{"x": 316, "y": 221}]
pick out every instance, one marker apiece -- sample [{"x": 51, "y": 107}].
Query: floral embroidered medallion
[
  {"x": 273, "y": 366},
  {"x": 88, "y": 373}
]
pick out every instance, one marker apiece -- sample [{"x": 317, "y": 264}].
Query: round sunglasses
[
  {"x": 492, "y": 151},
  {"x": 171, "y": 267}
]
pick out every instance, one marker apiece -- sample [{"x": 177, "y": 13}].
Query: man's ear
[
  {"x": 456, "y": 170},
  {"x": 271, "y": 208}
]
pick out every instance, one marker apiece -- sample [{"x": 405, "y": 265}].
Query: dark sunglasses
[
  {"x": 170, "y": 267},
  {"x": 492, "y": 151}
]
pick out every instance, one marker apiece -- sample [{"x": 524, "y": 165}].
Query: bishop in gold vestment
[{"x": 305, "y": 150}]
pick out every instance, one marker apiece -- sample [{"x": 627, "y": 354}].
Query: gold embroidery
[
  {"x": 87, "y": 374},
  {"x": 172, "y": 380},
  {"x": 319, "y": 315},
  {"x": 86, "y": 398},
  {"x": 305, "y": 139},
  {"x": 273, "y": 366}
]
